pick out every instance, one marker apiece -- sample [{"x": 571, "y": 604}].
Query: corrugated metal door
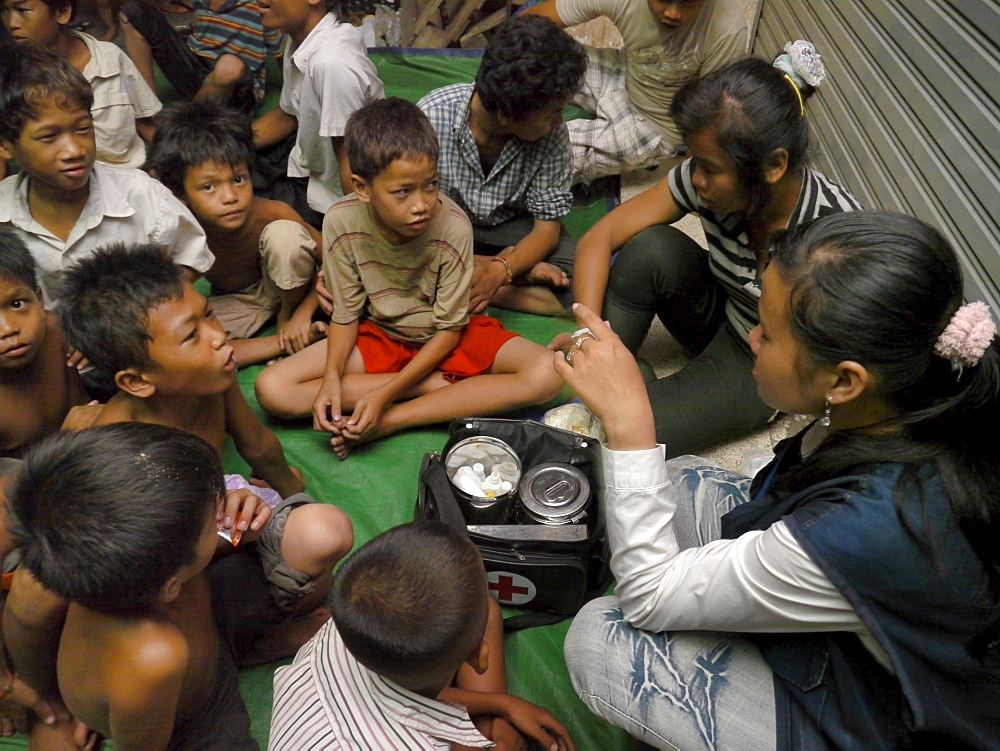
[{"x": 908, "y": 118}]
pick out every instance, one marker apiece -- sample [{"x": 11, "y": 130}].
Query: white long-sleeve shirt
[{"x": 762, "y": 581}]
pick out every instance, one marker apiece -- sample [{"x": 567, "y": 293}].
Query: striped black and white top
[
  {"x": 328, "y": 701},
  {"x": 730, "y": 257}
]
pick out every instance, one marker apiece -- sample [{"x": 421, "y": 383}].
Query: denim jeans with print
[{"x": 684, "y": 689}]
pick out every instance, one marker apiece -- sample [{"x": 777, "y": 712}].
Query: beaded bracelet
[
  {"x": 506, "y": 265},
  {"x": 10, "y": 684}
]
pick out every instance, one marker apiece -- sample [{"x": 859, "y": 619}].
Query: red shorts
[{"x": 482, "y": 337}]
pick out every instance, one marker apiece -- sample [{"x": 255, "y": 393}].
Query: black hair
[
  {"x": 55, "y": 6},
  {"x": 385, "y": 130},
  {"x": 878, "y": 288},
  {"x": 30, "y": 77},
  {"x": 105, "y": 301},
  {"x": 411, "y": 601},
  {"x": 755, "y": 111},
  {"x": 191, "y": 133},
  {"x": 16, "y": 261},
  {"x": 529, "y": 63},
  {"x": 105, "y": 516},
  {"x": 338, "y": 8}
]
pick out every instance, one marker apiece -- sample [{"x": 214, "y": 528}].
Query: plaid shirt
[{"x": 529, "y": 177}]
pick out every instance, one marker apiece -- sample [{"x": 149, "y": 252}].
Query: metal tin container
[
  {"x": 554, "y": 493},
  {"x": 491, "y": 453}
]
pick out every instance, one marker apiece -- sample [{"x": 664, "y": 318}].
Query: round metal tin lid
[{"x": 554, "y": 493}]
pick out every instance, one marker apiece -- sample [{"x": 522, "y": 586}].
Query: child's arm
[
  {"x": 32, "y": 625},
  {"x": 340, "y": 341},
  {"x": 258, "y": 445},
  {"x": 272, "y": 127},
  {"x": 293, "y": 334},
  {"x": 534, "y": 247},
  {"x": 369, "y": 408},
  {"x": 145, "y": 128},
  {"x": 145, "y": 689}
]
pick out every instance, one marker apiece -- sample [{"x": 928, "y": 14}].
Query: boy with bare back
[
  {"x": 401, "y": 349},
  {"x": 130, "y": 311},
  {"x": 120, "y": 523},
  {"x": 37, "y": 387},
  {"x": 265, "y": 253}
]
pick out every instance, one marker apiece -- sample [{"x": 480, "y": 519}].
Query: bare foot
[
  {"x": 544, "y": 273},
  {"x": 285, "y": 640},
  {"x": 345, "y": 442}
]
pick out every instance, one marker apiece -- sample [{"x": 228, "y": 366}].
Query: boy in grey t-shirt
[{"x": 629, "y": 91}]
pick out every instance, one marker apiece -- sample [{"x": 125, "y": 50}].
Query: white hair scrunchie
[{"x": 802, "y": 63}]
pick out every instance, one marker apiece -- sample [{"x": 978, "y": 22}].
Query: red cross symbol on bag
[{"x": 510, "y": 589}]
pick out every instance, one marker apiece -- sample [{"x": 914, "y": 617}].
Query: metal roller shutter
[{"x": 908, "y": 118}]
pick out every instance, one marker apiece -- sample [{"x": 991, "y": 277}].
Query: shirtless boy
[
  {"x": 121, "y": 522},
  {"x": 141, "y": 325},
  {"x": 37, "y": 387},
  {"x": 265, "y": 253}
]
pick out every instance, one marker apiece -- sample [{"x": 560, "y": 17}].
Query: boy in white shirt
[
  {"x": 327, "y": 75},
  {"x": 62, "y": 204},
  {"x": 124, "y": 104}
]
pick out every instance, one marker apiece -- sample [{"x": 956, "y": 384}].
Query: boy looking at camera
[
  {"x": 265, "y": 254},
  {"x": 37, "y": 388},
  {"x": 416, "y": 645},
  {"x": 62, "y": 204},
  {"x": 401, "y": 349},
  {"x": 505, "y": 159},
  {"x": 119, "y": 524},
  {"x": 129, "y": 310}
]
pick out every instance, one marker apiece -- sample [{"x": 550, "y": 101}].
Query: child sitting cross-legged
[
  {"x": 414, "y": 648},
  {"x": 118, "y": 527},
  {"x": 401, "y": 349},
  {"x": 265, "y": 253},
  {"x": 129, "y": 310}
]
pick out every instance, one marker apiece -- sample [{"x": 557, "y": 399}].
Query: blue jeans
[{"x": 683, "y": 689}]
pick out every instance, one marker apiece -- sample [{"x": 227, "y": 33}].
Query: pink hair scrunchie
[{"x": 967, "y": 336}]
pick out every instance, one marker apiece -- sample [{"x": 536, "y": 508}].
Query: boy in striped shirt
[
  {"x": 412, "y": 658},
  {"x": 223, "y": 58}
]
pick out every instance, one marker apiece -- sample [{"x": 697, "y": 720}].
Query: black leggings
[{"x": 663, "y": 272}]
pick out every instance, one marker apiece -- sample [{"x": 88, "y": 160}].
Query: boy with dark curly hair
[{"x": 506, "y": 160}]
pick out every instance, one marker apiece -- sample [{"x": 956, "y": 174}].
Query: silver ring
[
  {"x": 569, "y": 356},
  {"x": 579, "y": 336}
]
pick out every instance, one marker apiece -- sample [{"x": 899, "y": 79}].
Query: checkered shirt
[
  {"x": 619, "y": 138},
  {"x": 529, "y": 177}
]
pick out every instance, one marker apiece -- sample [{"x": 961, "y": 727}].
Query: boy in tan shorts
[{"x": 265, "y": 253}]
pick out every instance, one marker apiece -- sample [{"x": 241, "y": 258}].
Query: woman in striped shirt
[{"x": 747, "y": 138}]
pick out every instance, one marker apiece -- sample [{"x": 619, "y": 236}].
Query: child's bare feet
[
  {"x": 544, "y": 273},
  {"x": 345, "y": 442},
  {"x": 286, "y": 639}
]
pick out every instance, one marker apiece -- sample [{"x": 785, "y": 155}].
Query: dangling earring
[{"x": 825, "y": 419}]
